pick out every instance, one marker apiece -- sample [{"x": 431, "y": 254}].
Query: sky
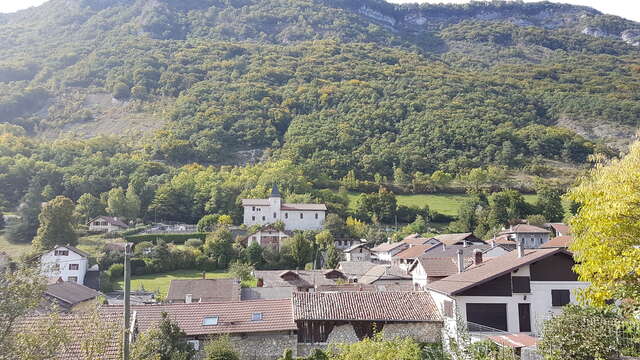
[{"x": 629, "y": 9}]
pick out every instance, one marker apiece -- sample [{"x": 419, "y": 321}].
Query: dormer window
[
  {"x": 61, "y": 253},
  {"x": 210, "y": 321},
  {"x": 256, "y": 317}
]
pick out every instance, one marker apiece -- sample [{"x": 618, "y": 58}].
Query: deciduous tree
[
  {"x": 166, "y": 341},
  {"x": 56, "y": 224}
]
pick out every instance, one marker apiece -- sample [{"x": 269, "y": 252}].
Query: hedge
[{"x": 167, "y": 238}]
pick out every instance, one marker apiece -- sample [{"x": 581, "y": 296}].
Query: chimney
[
  {"x": 460, "y": 261},
  {"x": 260, "y": 282},
  {"x": 493, "y": 243},
  {"x": 188, "y": 298},
  {"x": 465, "y": 243},
  {"x": 204, "y": 275},
  {"x": 520, "y": 249},
  {"x": 444, "y": 247},
  {"x": 477, "y": 256}
]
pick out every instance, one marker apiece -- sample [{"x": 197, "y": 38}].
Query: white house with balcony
[
  {"x": 294, "y": 216},
  {"x": 65, "y": 262},
  {"x": 512, "y": 293}
]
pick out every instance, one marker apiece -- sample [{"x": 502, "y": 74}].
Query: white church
[{"x": 294, "y": 216}]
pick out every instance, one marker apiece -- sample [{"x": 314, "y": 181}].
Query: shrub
[
  {"x": 241, "y": 270},
  {"x": 105, "y": 282},
  {"x": 141, "y": 247},
  {"x": 220, "y": 349},
  {"x": 581, "y": 333},
  {"x": 167, "y": 238},
  {"x": 194, "y": 243},
  {"x": 116, "y": 271}
]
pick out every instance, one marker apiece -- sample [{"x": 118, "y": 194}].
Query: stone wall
[
  {"x": 342, "y": 334},
  {"x": 422, "y": 332},
  {"x": 267, "y": 346}
]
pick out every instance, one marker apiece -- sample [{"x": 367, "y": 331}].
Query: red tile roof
[
  {"x": 559, "y": 242},
  {"x": 490, "y": 270},
  {"x": 416, "y": 240},
  {"x": 526, "y": 229},
  {"x": 451, "y": 239},
  {"x": 413, "y": 252},
  {"x": 560, "y": 228},
  {"x": 401, "y": 306},
  {"x": 233, "y": 317},
  {"x": 385, "y": 247}
]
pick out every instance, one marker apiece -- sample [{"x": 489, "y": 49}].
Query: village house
[
  {"x": 513, "y": 293},
  {"x": 203, "y": 290},
  {"x": 269, "y": 236},
  {"x": 405, "y": 258},
  {"x": 347, "y": 317},
  {"x": 272, "y": 210},
  {"x": 385, "y": 251},
  {"x": 301, "y": 280},
  {"x": 343, "y": 244},
  {"x": 358, "y": 252},
  {"x": 65, "y": 262},
  {"x": 530, "y": 236},
  {"x": 417, "y": 239},
  {"x": 107, "y": 224},
  {"x": 69, "y": 296},
  {"x": 259, "y": 329}
]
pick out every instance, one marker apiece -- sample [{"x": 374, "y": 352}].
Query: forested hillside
[{"x": 338, "y": 90}]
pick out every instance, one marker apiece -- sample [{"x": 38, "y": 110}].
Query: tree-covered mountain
[{"x": 331, "y": 85}]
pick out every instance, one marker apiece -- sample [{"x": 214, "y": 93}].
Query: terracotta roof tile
[
  {"x": 302, "y": 278},
  {"x": 384, "y": 247},
  {"x": 365, "y": 306},
  {"x": 526, "y": 229},
  {"x": 233, "y": 317},
  {"x": 559, "y": 242},
  {"x": 514, "y": 340},
  {"x": 384, "y": 272},
  {"x": 452, "y": 239},
  {"x": 413, "y": 252}
]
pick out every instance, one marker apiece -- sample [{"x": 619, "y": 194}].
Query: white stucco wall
[
  {"x": 265, "y": 215},
  {"x": 48, "y": 263},
  {"x": 539, "y": 298},
  {"x": 419, "y": 277}
]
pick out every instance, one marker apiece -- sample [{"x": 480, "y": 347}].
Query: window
[
  {"x": 74, "y": 266},
  {"x": 195, "y": 344},
  {"x": 61, "y": 253},
  {"x": 301, "y": 216},
  {"x": 264, "y": 218},
  {"x": 55, "y": 267},
  {"x": 316, "y": 215},
  {"x": 286, "y": 215},
  {"x": 73, "y": 279},
  {"x": 256, "y": 316},
  {"x": 253, "y": 208},
  {"x": 521, "y": 284},
  {"x": 560, "y": 297},
  {"x": 253, "y": 218},
  {"x": 274, "y": 215},
  {"x": 210, "y": 321}
]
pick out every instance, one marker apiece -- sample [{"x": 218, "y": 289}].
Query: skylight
[
  {"x": 256, "y": 316},
  {"x": 210, "y": 320}
]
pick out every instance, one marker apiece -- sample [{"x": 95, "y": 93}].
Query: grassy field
[
  {"x": 14, "y": 250},
  {"x": 447, "y": 204},
  {"x": 160, "y": 282}
]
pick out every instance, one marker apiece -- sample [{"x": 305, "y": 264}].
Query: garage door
[{"x": 490, "y": 315}]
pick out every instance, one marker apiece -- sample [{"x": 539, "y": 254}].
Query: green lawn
[
  {"x": 14, "y": 250},
  {"x": 160, "y": 282},
  {"x": 447, "y": 204}
]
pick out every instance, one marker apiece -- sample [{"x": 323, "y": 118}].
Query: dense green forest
[{"x": 312, "y": 94}]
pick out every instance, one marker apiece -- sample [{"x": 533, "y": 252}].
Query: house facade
[
  {"x": 357, "y": 252},
  {"x": 530, "y": 236},
  {"x": 268, "y": 237},
  {"x": 107, "y": 224},
  {"x": 65, "y": 262},
  {"x": 514, "y": 293},
  {"x": 272, "y": 210}
]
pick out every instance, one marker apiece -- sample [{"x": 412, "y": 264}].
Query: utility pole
[{"x": 127, "y": 295}]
